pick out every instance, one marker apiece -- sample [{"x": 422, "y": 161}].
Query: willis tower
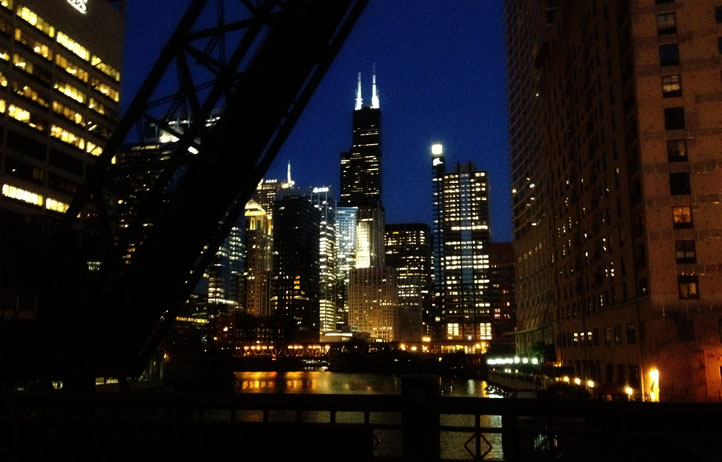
[{"x": 361, "y": 180}]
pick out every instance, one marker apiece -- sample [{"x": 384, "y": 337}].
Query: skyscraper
[
  {"x": 466, "y": 237},
  {"x": 295, "y": 276},
  {"x": 257, "y": 274},
  {"x": 614, "y": 132},
  {"x": 61, "y": 102},
  {"x": 408, "y": 251},
  {"x": 361, "y": 180},
  {"x": 346, "y": 218},
  {"x": 323, "y": 199},
  {"x": 432, "y": 323},
  {"x": 361, "y": 165}
]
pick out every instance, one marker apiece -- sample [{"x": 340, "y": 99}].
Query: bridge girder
[{"x": 254, "y": 67}]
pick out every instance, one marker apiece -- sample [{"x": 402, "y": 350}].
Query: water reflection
[
  {"x": 324, "y": 382},
  {"x": 321, "y": 382}
]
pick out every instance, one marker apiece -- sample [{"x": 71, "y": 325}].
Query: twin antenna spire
[{"x": 374, "y": 93}]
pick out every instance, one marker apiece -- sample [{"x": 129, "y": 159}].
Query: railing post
[
  {"x": 510, "y": 437},
  {"x": 421, "y": 419}
]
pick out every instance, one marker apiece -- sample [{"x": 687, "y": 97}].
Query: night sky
[{"x": 441, "y": 78}]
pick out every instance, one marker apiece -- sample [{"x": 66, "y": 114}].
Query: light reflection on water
[{"x": 324, "y": 382}]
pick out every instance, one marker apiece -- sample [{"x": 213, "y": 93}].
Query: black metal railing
[{"x": 418, "y": 425}]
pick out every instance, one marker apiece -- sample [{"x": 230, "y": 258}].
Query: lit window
[
  {"x": 685, "y": 251},
  {"x": 485, "y": 331},
  {"x": 36, "y": 21},
  {"x": 106, "y": 69},
  {"x": 671, "y": 86},
  {"x": 56, "y": 205},
  {"x": 67, "y": 137},
  {"x": 68, "y": 113},
  {"x": 28, "y": 92},
  {"x": 682, "y": 217},
  {"x": 676, "y": 150},
  {"x": 666, "y": 24},
  {"x": 73, "y": 46},
  {"x": 70, "y": 91},
  {"x": 71, "y": 68},
  {"x": 105, "y": 89},
  {"x": 22, "y": 195},
  {"x": 688, "y": 287},
  {"x": 22, "y": 63},
  {"x": 18, "y": 113},
  {"x": 35, "y": 45},
  {"x": 452, "y": 329},
  {"x": 7, "y": 4}
]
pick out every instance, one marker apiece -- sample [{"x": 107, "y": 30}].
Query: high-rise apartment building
[
  {"x": 615, "y": 142},
  {"x": 59, "y": 99},
  {"x": 466, "y": 237},
  {"x": 295, "y": 275},
  {"x": 408, "y": 251}
]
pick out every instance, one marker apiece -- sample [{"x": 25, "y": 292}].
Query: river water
[
  {"x": 389, "y": 441},
  {"x": 341, "y": 383}
]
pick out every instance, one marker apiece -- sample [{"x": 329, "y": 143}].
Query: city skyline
[{"x": 460, "y": 103}]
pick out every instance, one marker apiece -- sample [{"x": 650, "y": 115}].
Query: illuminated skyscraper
[
  {"x": 361, "y": 180},
  {"x": 466, "y": 237},
  {"x": 374, "y": 303},
  {"x": 615, "y": 151},
  {"x": 323, "y": 199},
  {"x": 295, "y": 275},
  {"x": 346, "y": 218},
  {"x": 61, "y": 91},
  {"x": 432, "y": 323},
  {"x": 408, "y": 251},
  {"x": 225, "y": 271},
  {"x": 257, "y": 290}
]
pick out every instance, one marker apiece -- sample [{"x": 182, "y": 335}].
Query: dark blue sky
[{"x": 441, "y": 78}]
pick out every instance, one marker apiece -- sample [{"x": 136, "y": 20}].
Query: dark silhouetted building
[{"x": 295, "y": 274}]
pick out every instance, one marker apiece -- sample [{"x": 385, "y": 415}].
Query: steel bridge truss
[{"x": 227, "y": 89}]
